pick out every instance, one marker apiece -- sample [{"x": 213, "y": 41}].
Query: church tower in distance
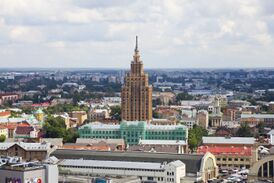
[{"x": 136, "y": 92}]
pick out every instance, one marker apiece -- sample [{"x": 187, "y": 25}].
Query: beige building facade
[
  {"x": 28, "y": 151},
  {"x": 136, "y": 92}
]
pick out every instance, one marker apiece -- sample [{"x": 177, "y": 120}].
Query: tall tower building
[{"x": 136, "y": 92}]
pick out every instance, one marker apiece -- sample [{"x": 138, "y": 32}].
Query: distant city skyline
[{"x": 172, "y": 33}]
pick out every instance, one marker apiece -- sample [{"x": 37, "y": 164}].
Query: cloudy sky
[{"x": 172, "y": 33}]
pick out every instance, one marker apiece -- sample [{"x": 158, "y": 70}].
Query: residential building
[
  {"x": 255, "y": 119},
  {"x": 4, "y": 131},
  {"x": 98, "y": 114},
  {"x": 133, "y": 131},
  {"x": 61, "y": 101},
  {"x": 6, "y": 97},
  {"x": 230, "y": 114},
  {"x": 202, "y": 118},
  {"x": 238, "y": 103},
  {"x": 164, "y": 97},
  {"x": 166, "y": 112},
  {"x": 136, "y": 92},
  {"x": 271, "y": 106},
  {"x": 188, "y": 122},
  {"x": 23, "y": 131},
  {"x": 252, "y": 109},
  {"x": 81, "y": 116},
  {"x": 28, "y": 151}
]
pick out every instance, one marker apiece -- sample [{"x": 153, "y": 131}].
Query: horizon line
[{"x": 126, "y": 68}]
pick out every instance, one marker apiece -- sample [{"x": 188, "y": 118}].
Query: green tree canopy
[
  {"x": 2, "y": 138},
  {"x": 195, "y": 136},
  {"x": 115, "y": 112},
  {"x": 55, "y": 127},
  {"x": 64, "y": 108},
  {"x": 244, "y": 131},
  {"x": 183, "y": 96}
]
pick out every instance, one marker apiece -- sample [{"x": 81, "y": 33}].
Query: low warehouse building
[
  {"x": 156, "y": 172},
  {"x": 198, "y": 167}
]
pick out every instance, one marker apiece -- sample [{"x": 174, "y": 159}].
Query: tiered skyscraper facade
[{"x": 136, "y": 92}]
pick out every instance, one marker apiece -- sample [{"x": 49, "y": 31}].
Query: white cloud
[
  {"x": 177, "y": 33},
  {"x": 26, "y": 35}
]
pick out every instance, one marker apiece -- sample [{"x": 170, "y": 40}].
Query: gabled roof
[
  {"x": 23, "y": 130},
  {"x": 177, "y": 163},
  {"x": 26, "y": 146}
]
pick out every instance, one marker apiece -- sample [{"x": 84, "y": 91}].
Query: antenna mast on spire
[{"x": 136, "y": 45}]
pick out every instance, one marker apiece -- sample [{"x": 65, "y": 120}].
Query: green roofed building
[{"x": 133, "y": 131}]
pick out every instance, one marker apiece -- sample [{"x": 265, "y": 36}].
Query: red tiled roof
[
  {"x": 24, "y": 123},
  {"x": 3, "y": 126},
  {"x": 11, "y": 126},
  {"x": 239, "y": 151},
  {"x": 44, "y": 104},
  {"x": 5, "y": 113}
]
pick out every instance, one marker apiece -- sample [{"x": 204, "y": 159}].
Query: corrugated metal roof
[
  {"x": 192, "y": 161},
  {"x": 112, "y": 164}
]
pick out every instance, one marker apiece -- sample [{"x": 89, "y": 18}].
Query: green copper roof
[{"x": 39, "y": 111}]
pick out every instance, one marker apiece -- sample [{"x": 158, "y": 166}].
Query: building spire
[
  {"x": 136, "y": 45},
  {"x": 136, "y": 56}
]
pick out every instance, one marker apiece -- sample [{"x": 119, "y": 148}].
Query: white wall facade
[{"x": 168, "y": 174}]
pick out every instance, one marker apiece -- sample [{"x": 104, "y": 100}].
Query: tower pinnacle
[{"x": 136, "y": 45}]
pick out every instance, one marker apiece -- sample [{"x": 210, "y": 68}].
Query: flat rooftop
[{"x": 229, "y": 140}]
